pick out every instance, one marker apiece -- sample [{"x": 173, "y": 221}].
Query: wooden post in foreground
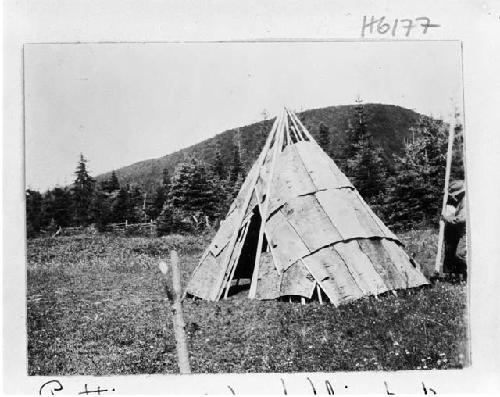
[
  {"x": 175, "y": 297},
  {"x": 451, "y": 138}
]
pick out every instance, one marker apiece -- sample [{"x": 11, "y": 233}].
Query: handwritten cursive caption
[
  {"x": 48, "y": 389},
  {"x": 52, "y": 387},
  {"x": 395, "y": 27}
]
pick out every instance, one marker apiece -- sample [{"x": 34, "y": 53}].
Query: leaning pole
[{"x": 449, "y": 155}]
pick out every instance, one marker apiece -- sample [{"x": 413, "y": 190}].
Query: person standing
[{"x": 455, "y": 264}]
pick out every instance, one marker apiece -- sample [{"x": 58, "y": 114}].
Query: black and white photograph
[{"x": 245, "y": 207}]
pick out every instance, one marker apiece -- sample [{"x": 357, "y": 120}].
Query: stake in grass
[{"x": 174, "y": 296}]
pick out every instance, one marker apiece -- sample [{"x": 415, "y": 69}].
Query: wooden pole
[
  {"x": 277, "y": 147},
  {"x": 296, "y": 121},
  {"x": 318, "y": 290},
  {"x": 177, "y": 315},
  {"x": 302, "y": 134},
  {"x": 288, "y": 136},
  {"x": 449, "y": 155},
  {"x": 305, "y": 134},
  {"x": 294, "y": 132},
  {"x": 244, "y": 207}
]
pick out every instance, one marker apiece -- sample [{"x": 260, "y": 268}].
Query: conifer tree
[
  {"x": 101, "y": 210},
  {"x": 33, "y": 212},
  {"x": 113, "y": 183},
  {"x": 219, "y": 168},
  {"x": 157, "y": 201},
  {"x": 56, "y": 207},
  {"x": 236, "y": 167},
  {"x": 365, "y": 165},
  {"x": 121, "y": 206},
  {"x": 167, "y": 223},
  {"x": 343, "y": 148},
  {"x": 165, "y": 179},
  {"x": 192, "y": 196},
  {"x": 46, "y": 213},
  {"x": 233, "y": 184},
  {"x": 62, "y": 206},
  {"x": 415, "y": 193},
  {"x": 137, "y": 209},
  {"x": 367, "y": 170},
  {"x": 83, "y": 189}
]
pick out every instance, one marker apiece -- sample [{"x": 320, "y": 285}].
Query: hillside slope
[{"x": 389, "y": 125}]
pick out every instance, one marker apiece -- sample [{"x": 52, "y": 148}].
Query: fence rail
[
  {"x": 126, "y": 224},
  {"x": 143, "y": 227}
]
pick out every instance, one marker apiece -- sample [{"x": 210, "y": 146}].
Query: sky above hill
[{"x": 122, "y": 103}]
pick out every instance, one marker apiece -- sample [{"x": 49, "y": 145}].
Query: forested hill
[{"x": 388, "y": 124}]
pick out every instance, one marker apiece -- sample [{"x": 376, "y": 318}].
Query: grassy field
[{"x": 96, "y": 306}]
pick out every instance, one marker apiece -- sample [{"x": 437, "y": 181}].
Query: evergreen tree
[
  {"x": 62, "y": 207},
  {"x": 236, "y": 167},
  {"x": 165, "y": 221},
  {"x": 219, "y": 168},
  {"x": 156, "y": 201},
  {"x": 33, "y": 212},
  {"x": 415, "y": 195},
  {"x": 192, "y": 196},
  {"x": 367, "y": 170},
  {"x": 137, "y": 209},
  {"x": 56, "y": 208},
  {"x": 365, "y": 164},
  {"x": 121, "y": 207},
  {"x": 166, "y": 179},
  {"x": 343, "y": 148},
  {"x": 101, "y": 210},
  {"x": 103, "y": 186},
  {"x": 113, "y": 183},
  {"x": 355, "y": 134},
  {"x": 47, "y": 212},
  {"x": 82, "y": 192},
  {"x": 324, "y": 137}
]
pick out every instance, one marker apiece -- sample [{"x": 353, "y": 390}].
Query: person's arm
[{"x": 460, "y": 217}]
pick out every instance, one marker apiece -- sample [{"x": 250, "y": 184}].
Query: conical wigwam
[{"x": 299, "y": 227}]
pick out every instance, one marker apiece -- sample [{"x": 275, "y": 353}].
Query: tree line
[
  {"x": 405, "y": 190},
  {"x": 195, "y": 197}
]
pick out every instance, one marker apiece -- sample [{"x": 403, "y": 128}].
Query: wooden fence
[
  {"x": 144, "y": 228},
  {"x": 140, "y": 228}
]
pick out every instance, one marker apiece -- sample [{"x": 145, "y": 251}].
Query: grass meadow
[{"x": 96, "y": 306}]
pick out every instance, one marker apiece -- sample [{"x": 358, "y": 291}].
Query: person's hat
[{"x": 456, "y": 188}]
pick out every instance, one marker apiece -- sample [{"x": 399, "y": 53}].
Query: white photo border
[{"x": 476, "y": 24}]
